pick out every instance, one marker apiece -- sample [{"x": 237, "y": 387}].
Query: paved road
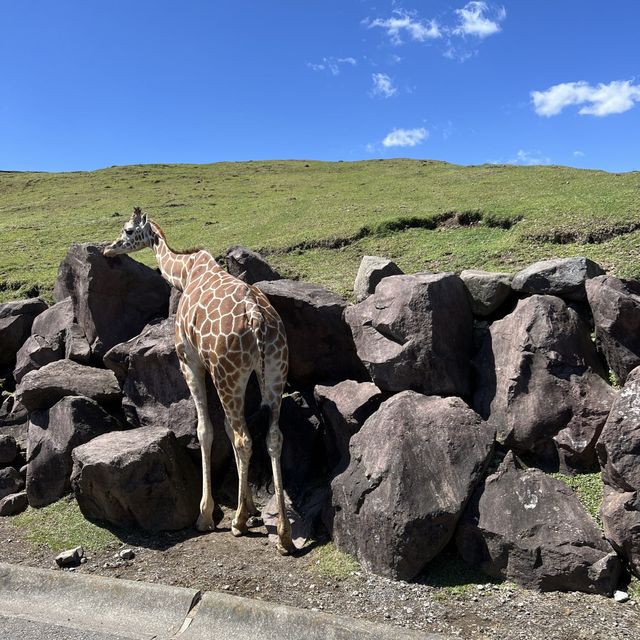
[{"x": 18, "y": 629}]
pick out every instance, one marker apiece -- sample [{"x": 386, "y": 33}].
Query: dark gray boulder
[
  {"x": 10, "y": 482},
  {"x": 47, "y": 340},
  {"x": 12, "y": 413},
  {"x": 155, "y": 393},
  {"x": 321, "y": 348},
  {"x": 415, "y": 332},
  {"x": 303, "y": 458},
  {"x": 113, "y": 298},
  {"x": 541, "y": 384},
  {"x": 141, "y": 477},
  {"x": 77, "y": 347},
  {"x": 414, "y": 464},
  {"x": 16, "y": 319},
  {"x": 525, "y": 526},
  {"x": 620, "y": 513},
  {"x": 8, "y": 449},
  {"x": 53, "y": 435},
  {"x": 615, "y": 305},
  {"x": 249, "y": 266},
  {"x": 13, "y": 504},
  {"x": 564, "y": 277},
  {"x": 41, "y": 389},
  {"x": 345, "y": 407},
  {"x": 371, "y": 271},
  {"x": 487, "y": 290},
  {"x": 619, "y": 455},
  {"x": 174, "y": 301}
]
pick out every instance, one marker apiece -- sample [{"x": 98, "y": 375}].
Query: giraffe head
[{"x": 136, "y": 234}]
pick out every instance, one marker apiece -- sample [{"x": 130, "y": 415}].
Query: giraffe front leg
[
  {"x": 194, "y": 374},
  {"x": 205, "y": 520}
]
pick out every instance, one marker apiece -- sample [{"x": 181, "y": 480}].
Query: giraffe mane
[{"x": 160, "y": 231}]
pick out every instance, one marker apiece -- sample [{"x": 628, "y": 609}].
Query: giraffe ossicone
[{"x": 227, "y": 329}]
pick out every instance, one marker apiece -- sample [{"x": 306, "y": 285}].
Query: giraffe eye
[{"x": 128, "y": 231}]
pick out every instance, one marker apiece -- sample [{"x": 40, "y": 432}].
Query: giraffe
[{"x": 228, "y": 329}]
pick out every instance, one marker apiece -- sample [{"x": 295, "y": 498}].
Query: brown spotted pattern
[{"x": 227, "y": 329}]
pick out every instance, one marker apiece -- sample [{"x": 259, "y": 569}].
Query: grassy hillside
[{"x": 315, "y": 220}]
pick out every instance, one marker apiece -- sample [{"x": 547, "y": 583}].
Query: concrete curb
[
  {"x": 149, "y": 611},
  {"x": 220, "y": 615},
  {"x": 122, "y": 607}
]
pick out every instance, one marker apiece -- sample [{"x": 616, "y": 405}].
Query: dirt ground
[{"x": 251, "y": 567}]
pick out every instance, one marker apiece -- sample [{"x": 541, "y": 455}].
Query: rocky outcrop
[
  {"x": 415, "y": 332},
  {"x": 345, "y": 407},
  {"x": 321, "y": 348},
  {"x": 619, "y": 454},
  {"x": 41, "y": 389},
  {"x": 141, "y": 477},
  {"x": 414, "y": 463},
  {"x": 487, "y": 290},
  {"x": 564, "y": 277},
  {"x": 540, "y": 382},
  {"x": 525, "y": 526},
  {"x": 16, "y": 319},
  {"x": 53, "y": 435},
  {"x": 615, "y": 305},
  {"x": 47, "y": 340},
  {"x": 113, "y": 298},
  {"x": 249, "y": 266},
  {"x": 371, "y": 271}
]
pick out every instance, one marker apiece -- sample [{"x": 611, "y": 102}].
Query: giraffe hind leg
[{"x": 255, "y": 517}]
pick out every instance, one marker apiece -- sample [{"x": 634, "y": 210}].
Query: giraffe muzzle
[{"x": 111, "y": 250}]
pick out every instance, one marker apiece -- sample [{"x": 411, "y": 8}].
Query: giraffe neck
[{"x": 174, "y": 266}]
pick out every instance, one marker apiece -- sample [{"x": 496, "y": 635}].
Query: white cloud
[
  {"x": 616, "y": 97},
  {"x": 578, "y": 154},
  {"x": 403, "y": 22},
  {"x": 475, "y": 20},
  {"x": 529, "y": 158},
  {"x": 383, "y": 86},
  {"x": 405, "y": 137},
  {"x": 332, "y": 65}
]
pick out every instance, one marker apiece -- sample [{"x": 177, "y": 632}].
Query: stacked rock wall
[{"x": 398, "y": 410}]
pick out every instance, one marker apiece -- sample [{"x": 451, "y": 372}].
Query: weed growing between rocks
[{"x": 589, "y": 489}]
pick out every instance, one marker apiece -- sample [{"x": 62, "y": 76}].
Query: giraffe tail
[{"x": 259, "y": 328}]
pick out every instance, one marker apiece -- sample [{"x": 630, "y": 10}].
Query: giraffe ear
[{"x": 144, "y": 219}]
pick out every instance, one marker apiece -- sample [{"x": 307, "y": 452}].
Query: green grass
[
  {"x": 330, "y": 562},
  {"x": 589, "y": 489},
  {"x": 62, "y": 526},
  {"x": 398, "y": 208}
]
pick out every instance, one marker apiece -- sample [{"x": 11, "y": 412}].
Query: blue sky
[{"x": 87, "y": 84}]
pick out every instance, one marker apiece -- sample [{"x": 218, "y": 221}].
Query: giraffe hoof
[
  {"x": 254, "y": 521},
  {"x": 238, "y": 530},
  {"x": 282, "y": 550},
  {"x": 205, "y": 524}
]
